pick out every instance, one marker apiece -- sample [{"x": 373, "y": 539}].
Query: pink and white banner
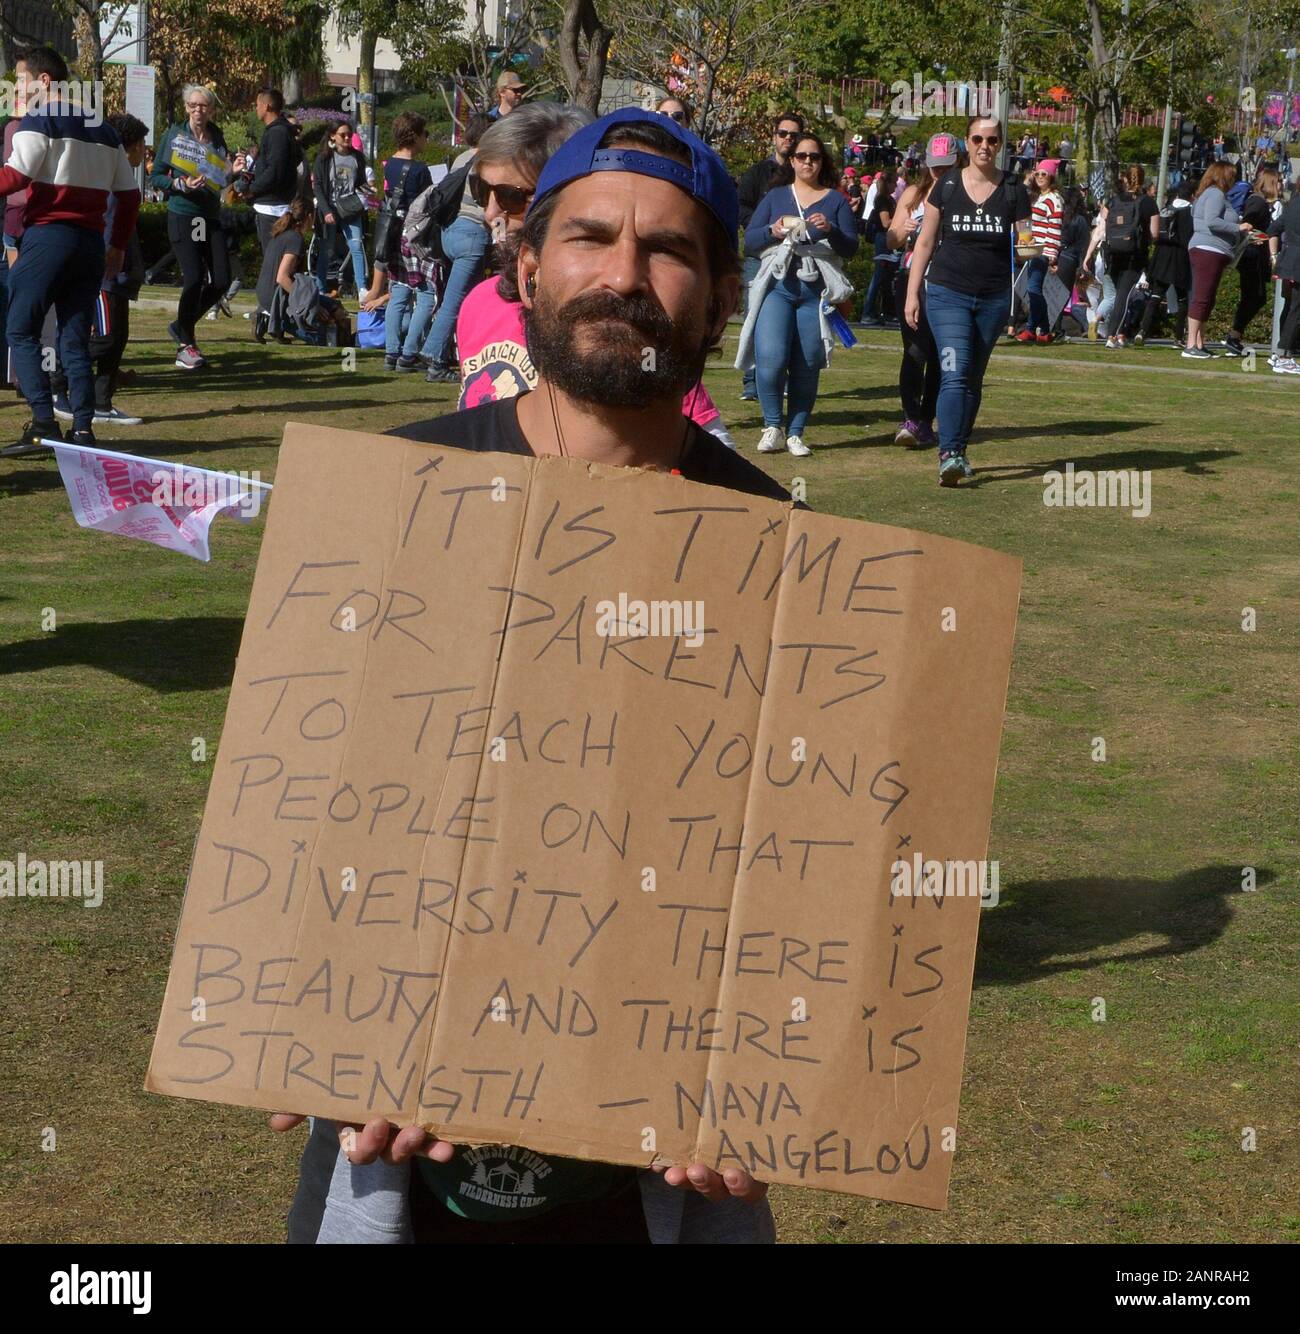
[{"x": 169, "y": 504}]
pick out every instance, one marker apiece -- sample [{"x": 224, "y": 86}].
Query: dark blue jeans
[
  {"x": 58, "y": 265},
  {"x": 1034, "y": 291},
  {"x": 965, "y": 329}
]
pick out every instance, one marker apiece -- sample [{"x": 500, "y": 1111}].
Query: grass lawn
[{"x": 1120, "y": 880}]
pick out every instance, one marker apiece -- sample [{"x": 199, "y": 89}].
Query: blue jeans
[
  {"x": 352, "y": 234},
  {"x": 1034, "y": 292},
  {"x": 62, "y": 266},
  {"x": 403, "y": 335},
  {"x": 965, "y": 329},
  {"x": 465, "y": 243},
  {"x": 788, "y": 352},
  {"x": 748, "y": 272}
]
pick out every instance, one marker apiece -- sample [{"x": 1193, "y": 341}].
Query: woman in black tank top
[{"x": 963, "y": 256}]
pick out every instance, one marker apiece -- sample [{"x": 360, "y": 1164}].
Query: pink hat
[
  {"x": 1051, "y": 165},
  {"x": 850, "y": 171},
  {"x": 941, "y": 151}
]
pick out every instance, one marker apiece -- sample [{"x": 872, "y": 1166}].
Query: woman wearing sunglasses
[
  {"x": 963, "y": 257},
  {"x": 675, "y": 109},
  {"x": 803, "y": 228}
]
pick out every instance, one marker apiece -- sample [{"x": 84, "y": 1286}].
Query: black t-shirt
[
  {"x": 974, "y": 251},
  {"x": 494, "y": 427},
  {"x": 883, "y": 209},
  {"x": 287, "y": 243}
]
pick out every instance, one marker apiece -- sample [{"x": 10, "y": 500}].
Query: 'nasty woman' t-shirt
[{"x": 975, "y": 240}]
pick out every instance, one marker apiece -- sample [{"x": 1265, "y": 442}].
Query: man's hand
[
  {"x": 378, "y": 1139},
  {"x": 715, "y": 1186},
  {"x": 113, "y": 258},
  {"x": 329, "y": 218}
]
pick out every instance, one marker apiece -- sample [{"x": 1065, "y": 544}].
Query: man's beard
[{"x": 640, "y": 355}]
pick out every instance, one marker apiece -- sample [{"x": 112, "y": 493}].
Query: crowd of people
[
  {"x": 963, "y": 253},
  {"x": 607, "y": 237}
]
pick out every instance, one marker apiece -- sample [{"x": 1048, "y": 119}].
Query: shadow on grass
[
  {"x": 1191, "y": 461},
  {"x": 191, "y": 653},
  {"x": 27, "y": 481},
  {"x": 1084, "y": 427},
  {"x": 1044, "y": 927}
]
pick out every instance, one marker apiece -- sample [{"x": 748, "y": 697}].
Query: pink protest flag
[{"x": 169, "y": 504}]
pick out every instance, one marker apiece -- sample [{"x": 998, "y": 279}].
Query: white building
[{"x": 343, "y": 56}]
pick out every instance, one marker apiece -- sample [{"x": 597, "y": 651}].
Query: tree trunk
[
  {"x": 584, "y": 71},
  {"x": 1084, "y": 150},
  {"x": 366, "y": 75},
  {"x": 90, "y": 46}
]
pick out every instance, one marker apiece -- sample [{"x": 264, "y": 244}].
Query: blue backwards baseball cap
[{"x": 706, "y": 179}]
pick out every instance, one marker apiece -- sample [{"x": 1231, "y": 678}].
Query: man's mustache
[{"x": 642, "y": 314}]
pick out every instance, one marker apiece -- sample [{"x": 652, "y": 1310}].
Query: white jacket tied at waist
[{"x": 817, "y": 259}]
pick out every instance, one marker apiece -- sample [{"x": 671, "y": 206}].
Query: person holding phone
[
  {"x": 194, "y": 222},
  {"x": 963, "y": 257},
  {"x": 802, "y": 228}
]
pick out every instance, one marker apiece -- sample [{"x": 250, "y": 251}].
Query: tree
[
  {"x": 418, "y": 30},
  {"x": 704, "y": 52},
  {"x": 583, "y": 50},
  {"x": 235, "y": 46}
]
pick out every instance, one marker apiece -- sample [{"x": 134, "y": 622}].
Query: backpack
[
  {"x": 433, "y": 210},
  {"x": 1122, "y": 225}
]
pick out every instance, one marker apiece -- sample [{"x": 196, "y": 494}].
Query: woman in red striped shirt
[{"x": 1047, "y": 234}]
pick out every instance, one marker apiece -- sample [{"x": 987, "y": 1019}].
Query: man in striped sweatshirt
[{"x": 70, "y": 165}]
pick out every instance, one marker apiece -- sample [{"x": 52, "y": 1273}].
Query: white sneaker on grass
[
  {"x": 1286, "y": 366},
  {"x": 1198, "y": 354},
  {"x": 796, "y": 446},
  {"x": 189, "y": 358},
  {"x": 771, "y": 441}
]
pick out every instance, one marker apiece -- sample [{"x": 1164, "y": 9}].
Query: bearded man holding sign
[{"x": 628, "y": 272}]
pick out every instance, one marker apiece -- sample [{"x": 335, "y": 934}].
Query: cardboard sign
[{"x": 598, "y": 811}]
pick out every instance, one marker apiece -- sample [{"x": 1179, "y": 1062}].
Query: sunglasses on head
[
  {"x": 992, "y": 140},
  {"x": 511, "y": 199},
  {"x": 807, "y": 157}
]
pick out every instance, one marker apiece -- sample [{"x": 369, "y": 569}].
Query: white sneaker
[
  {"x": 1286, "y": 366},
  {"x": 771, "y": 441},
  {"x": 796, "y": 446}
]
